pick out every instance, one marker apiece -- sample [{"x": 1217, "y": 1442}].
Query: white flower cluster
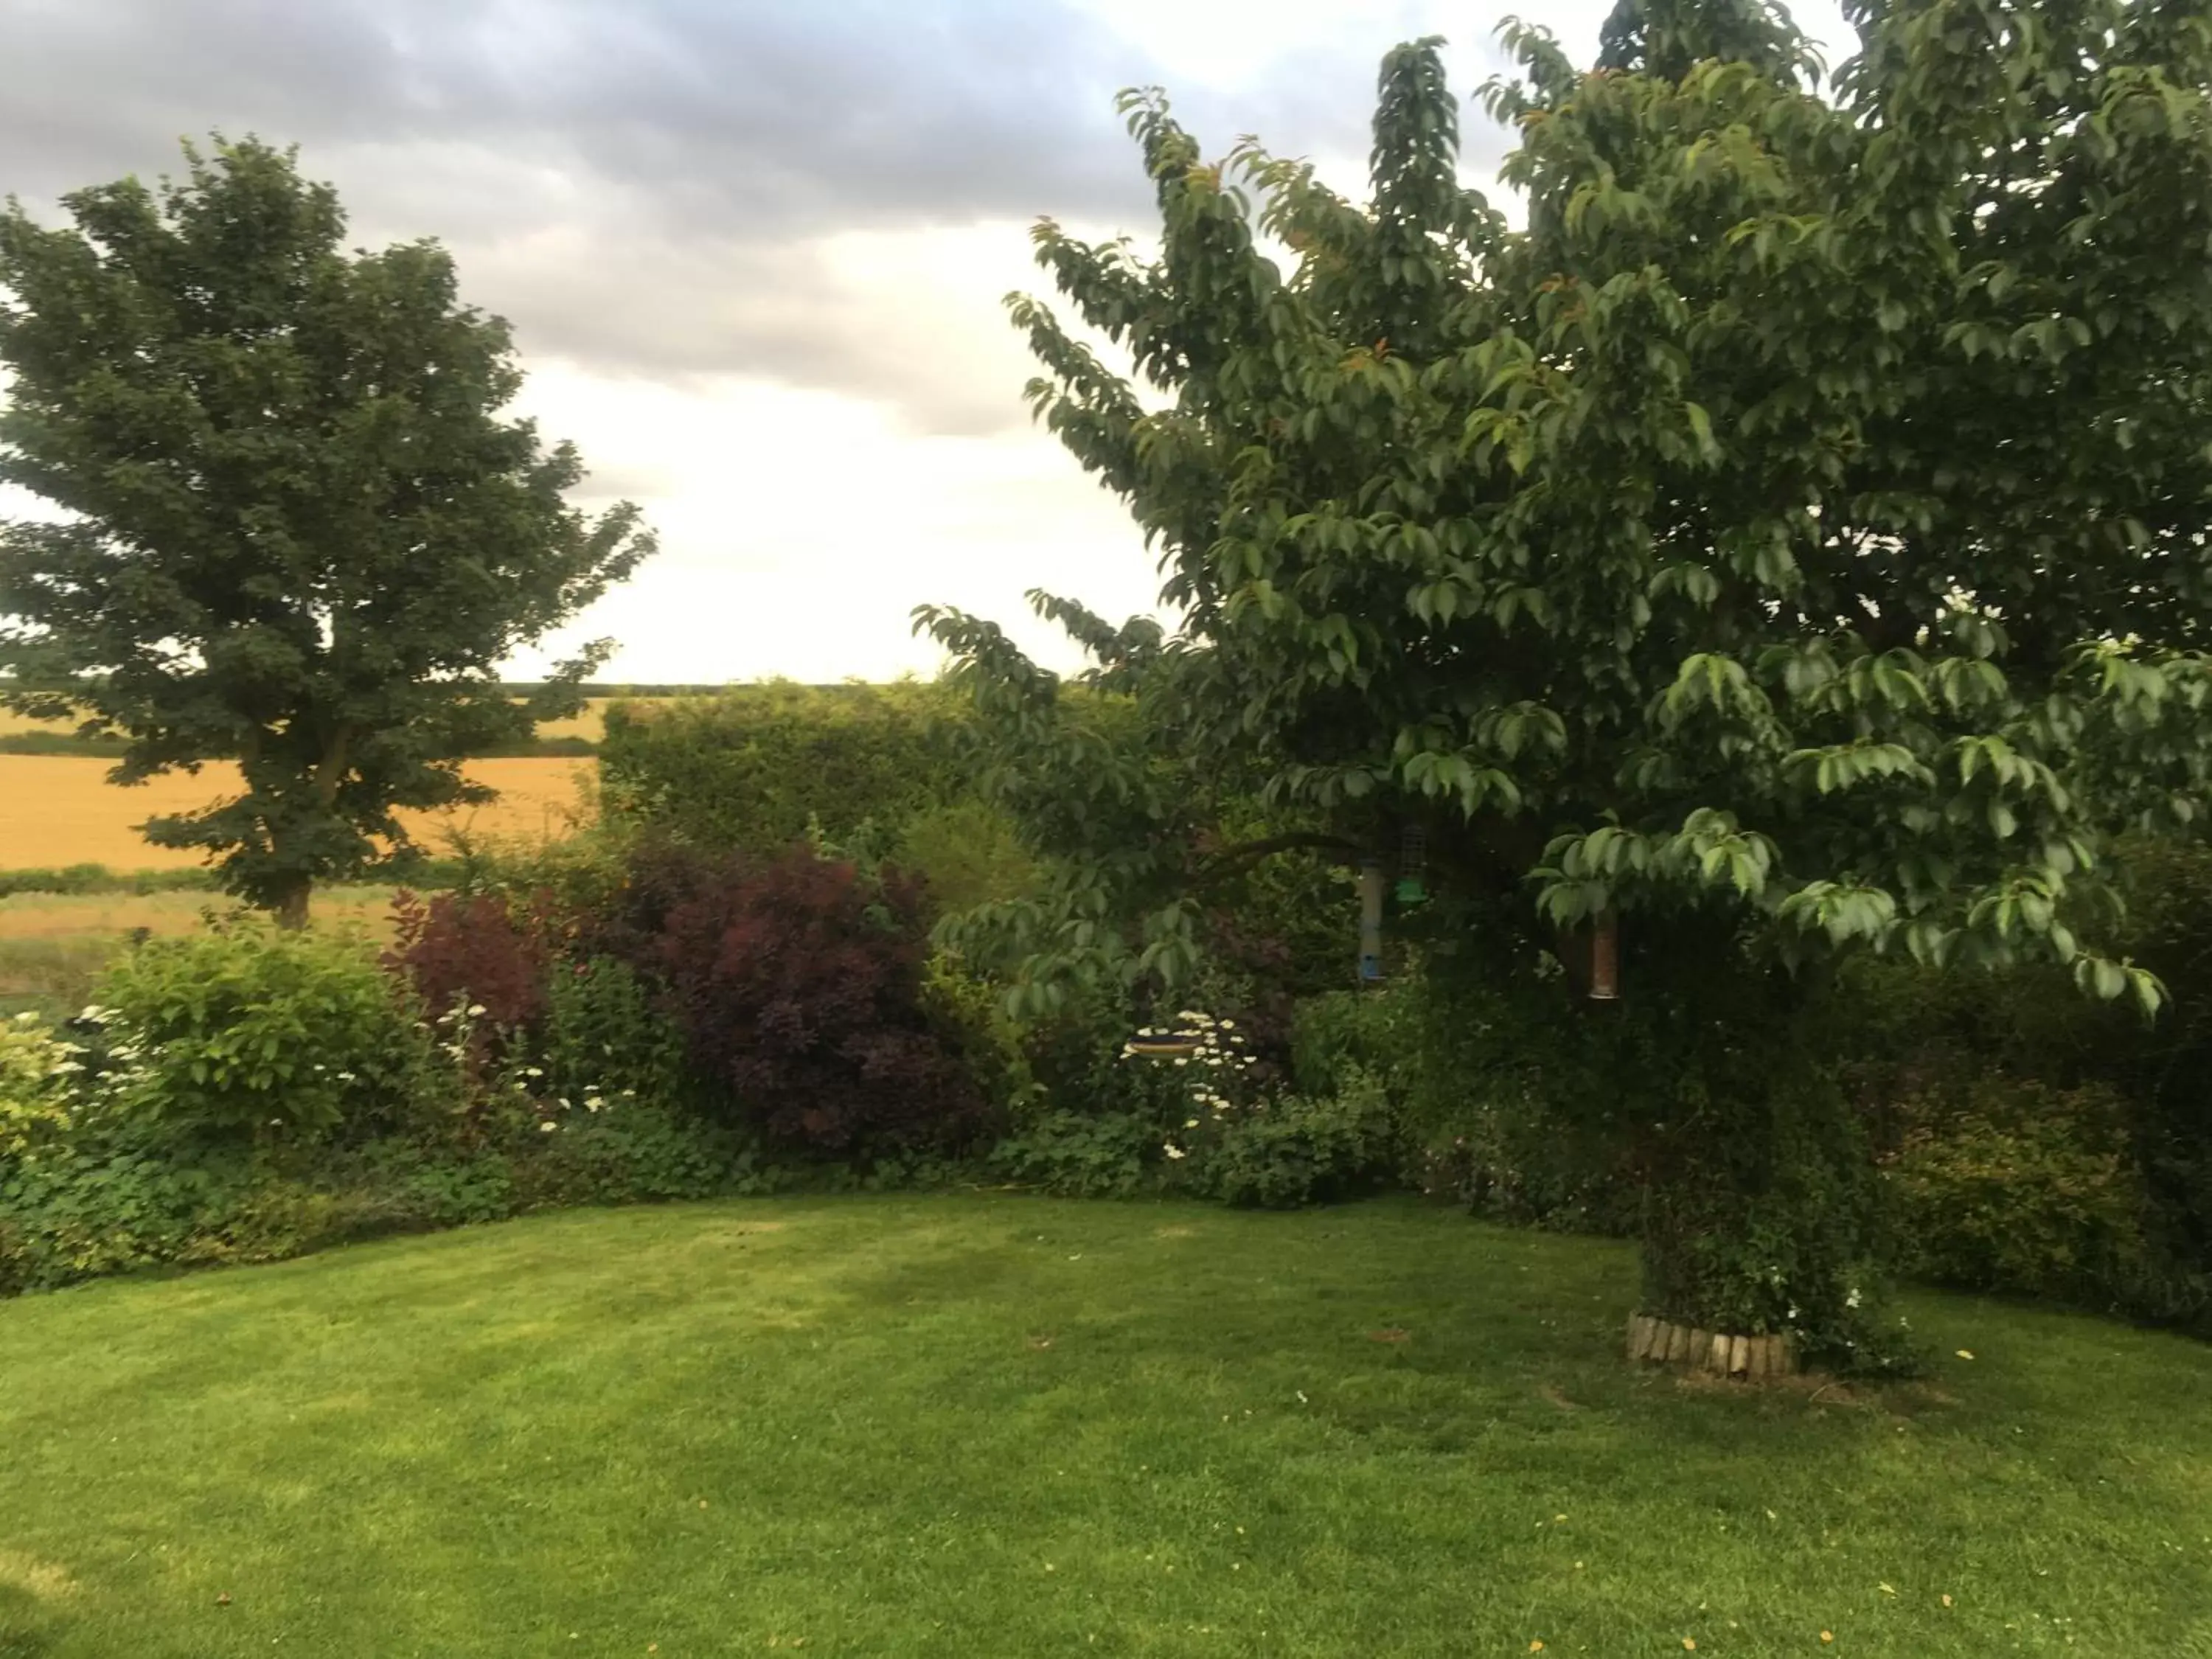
[
  {"x": 1218, "y": 1051},
  {"x": 44, "y": 1075},
  {"x": 31, "y": 1058}
]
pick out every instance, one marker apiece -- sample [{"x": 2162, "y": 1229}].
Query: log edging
[{"x": 1714, "y": 1353}]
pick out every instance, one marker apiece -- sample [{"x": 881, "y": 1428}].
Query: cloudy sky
[{"x": 754, "y": 250}]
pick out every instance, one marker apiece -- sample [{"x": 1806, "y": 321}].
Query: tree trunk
[
  {"x": 1760, "y": 1200},
  {"x": 325, "y": 779},
  {"x": 291, "y": 906}
]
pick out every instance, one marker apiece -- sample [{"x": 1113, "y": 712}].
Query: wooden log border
[{"x": 1714, "y": 1353}]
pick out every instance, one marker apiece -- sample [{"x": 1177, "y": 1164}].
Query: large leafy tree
[
  {"x": 1792, "y": 542},
  {"x": 300, "y": 534}
]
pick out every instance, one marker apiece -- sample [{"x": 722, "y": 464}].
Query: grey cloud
[
  {"x": 644, "y": 186},
  {"x": 783, "y": 116},
  {"x": 693, "y": 311}
]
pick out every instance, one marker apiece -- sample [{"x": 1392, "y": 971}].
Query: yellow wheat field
[{"x": 60, "y": 809}]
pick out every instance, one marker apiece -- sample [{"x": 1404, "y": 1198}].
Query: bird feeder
[
  {"x": 1370, "y": 921},
  {"x": 1412, "y": 863},
  {"x": 1605, "y": 959}
]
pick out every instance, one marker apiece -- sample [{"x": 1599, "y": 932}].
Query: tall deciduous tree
[
  {"x": 300, "y": 535},
  {"x": 1793, "y": 542}
]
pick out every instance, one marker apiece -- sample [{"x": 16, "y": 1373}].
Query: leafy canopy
[
  {"x": 298, "y": 534},
  {"x": 1800, "y": 523}
]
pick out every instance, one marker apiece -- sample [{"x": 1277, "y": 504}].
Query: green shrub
[
  {"x": 2022, "y": 1188},
  {"x": 1301, "y": 1149},
  {"x": 605, "y": 1038},
  {"x": 761, "y": 767},
  {"x": 1500, "y": 1101},
  {"x": 1078, "y": 1060},
  {"x": 1919, "y": 1044},
  {"x": 122, "y": 1196},
  {"x": 97, "y": 1204},
  {"x": 968, "y": 853},
  {"x": 246, "y": 1027},
  {"x": 1370, "y": 1031},
  {"x": 35, "y": 1067},
  {"x": 1082, "y": 1154},
  {"x": 990, "y": 1042},
  {"x": 631, "y": 1151},
  {"x": 99, "y": 878}
]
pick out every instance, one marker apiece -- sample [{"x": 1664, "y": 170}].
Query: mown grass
[{"x": 1009, "y": 1427}]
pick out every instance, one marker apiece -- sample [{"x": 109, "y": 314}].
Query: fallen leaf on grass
[{"x": 1965, "y": 1354}]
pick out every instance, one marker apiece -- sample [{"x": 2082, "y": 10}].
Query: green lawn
[{"x": 989, "y": 1426}]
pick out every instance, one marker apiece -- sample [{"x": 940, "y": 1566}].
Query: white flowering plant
[
  {"x": 1215, "y": 1081},
  {"x": 602, "y": 1046},
  {"x": 36, "y": 1068}
]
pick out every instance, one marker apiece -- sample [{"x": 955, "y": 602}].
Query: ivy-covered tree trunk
[{"x": 1760, "y": 1207}]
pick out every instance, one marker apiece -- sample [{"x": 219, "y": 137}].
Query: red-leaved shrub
[
  {"x": 799, "y": 983},
  {"x": 472, "y": 951}
]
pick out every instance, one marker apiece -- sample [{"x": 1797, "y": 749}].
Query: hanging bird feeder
[
  {"x": 1605, "y": 959},
  {"x": 1413, "y": 866},
  {"x": 1371, "y": 921}
]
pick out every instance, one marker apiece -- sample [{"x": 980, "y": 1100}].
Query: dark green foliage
[
  {"x": 2022, "y": 1188},
  {"x": 635, "y": 1152},
  {"x": 1936, "y": 1059},
  {"x": 118, "y": 1199},
  {"x": 99, "y": 878},
  {"x": 2165, "y": 1073},
  {"x": 761, "y": 767},
  {"x": 1078, "y": 1154},
  {"x": 604, "y": 1034},
  {"x": 302, "y": 537},
  {"x": 1669, "y": 37},
  {"x": 1299, "y": 1149},
  {"x": 1505, "y": 1107},
  {"x": 1376, "y": 1030},
  {"x": 63, "y": 743},
  {"x": 96, "y": 1208},
  {"x": 416, "y": 871}
]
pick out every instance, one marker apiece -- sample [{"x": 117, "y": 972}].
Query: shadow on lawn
[{"x": 30, "y": 1625}]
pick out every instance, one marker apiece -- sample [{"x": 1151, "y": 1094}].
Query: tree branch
[{"x": 1228, "y": 860}]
